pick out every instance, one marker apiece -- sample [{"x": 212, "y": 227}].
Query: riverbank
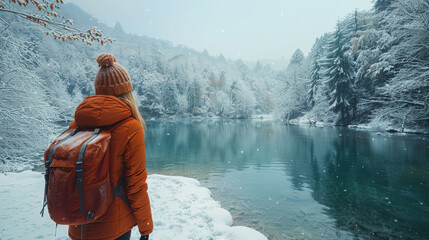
[
  {"x": 181, "y": 209},
  {"x": 305, "y": 121},
  {"x": 373, "y": 127}
]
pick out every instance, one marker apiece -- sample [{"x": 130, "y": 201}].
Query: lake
[{"x": 299, "y": 182}]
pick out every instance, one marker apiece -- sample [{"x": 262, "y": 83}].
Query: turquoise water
[{"x": 295, "y": 182}]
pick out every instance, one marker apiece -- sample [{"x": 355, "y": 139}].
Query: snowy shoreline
[
  {"x": 302, "y": 121},
  {"x": 363, "y": 127},
  {"x": 181, "y": 209}
]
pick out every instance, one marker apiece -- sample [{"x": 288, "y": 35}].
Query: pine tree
[
  {"x": 169, "y": 100},
  {"x": 381, "y": 5},
  {"x": 233, "y": 92},
  {"x": 355, "y": 24},
  {"x": 352, "y": 26},
  {"x": 297, "y": 57},
  {"x": 339, "y": 77},
  {"x": 296, "y": 64},
  {"x": 118, "y": 28},
  {"x": 258, "y": 66},
  {"x": 291, "y": 90},
  {"x": 150, "y": 103},
  {"x": 314, "y": 77},
  {"x": 194, "y": 97}
]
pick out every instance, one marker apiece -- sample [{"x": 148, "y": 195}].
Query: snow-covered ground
[
  {"x": 373, "y": 126},
  {"x": 181, "y": 210}
]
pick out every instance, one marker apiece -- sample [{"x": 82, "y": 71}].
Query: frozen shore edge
[
  {"x": 364, "y": 127},
  {"x": 181, "y": 209}
]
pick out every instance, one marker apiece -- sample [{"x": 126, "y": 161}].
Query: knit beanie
[{"x": 112, "y": 78}]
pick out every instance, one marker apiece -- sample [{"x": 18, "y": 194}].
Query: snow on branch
[{"x": 42, "y": 13}]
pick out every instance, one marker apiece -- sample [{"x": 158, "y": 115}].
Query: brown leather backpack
[{"x": 77, "y": 183}]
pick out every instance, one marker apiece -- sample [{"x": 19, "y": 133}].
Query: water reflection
[{"x": 302, "y": 182}]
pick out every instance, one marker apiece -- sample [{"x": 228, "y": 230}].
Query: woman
[{"x": 113, "y": 105}]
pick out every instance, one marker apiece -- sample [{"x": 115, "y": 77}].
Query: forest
[{"x": 371, "y": 72}]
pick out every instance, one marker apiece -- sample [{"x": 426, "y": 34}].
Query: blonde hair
[{"x": 128, "y": 98}]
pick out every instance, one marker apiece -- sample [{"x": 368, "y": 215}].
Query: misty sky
[{"x": 247, "y": 29}]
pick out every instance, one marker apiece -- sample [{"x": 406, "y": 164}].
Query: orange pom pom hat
[{"x": 112, "y": 78}]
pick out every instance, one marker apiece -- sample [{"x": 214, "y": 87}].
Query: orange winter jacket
[{"x": 127, "y": 156}]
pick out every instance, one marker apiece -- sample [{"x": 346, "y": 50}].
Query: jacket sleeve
[{"x": 135, "y": 178}]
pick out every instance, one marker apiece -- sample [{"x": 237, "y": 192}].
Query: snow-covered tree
[
  {"x": 194, "y": 97},
  {"x": 382, "y": 5},
  {"x": 26, "y": 116},
  {"x": 258, "y": 66},
  {"x": 242, "y": 100},
  {"x": 353, "y": 24},
  {"x": 339, "y": 77},
  {"x": 315, "y": 77},
  {"x": 404, "y": 97},
  {"x": 151, "y": 105},
  {"x": 297, "y": 57},
  {"x": 169, "y": 96},
  {"x": 291, "y": 90}
]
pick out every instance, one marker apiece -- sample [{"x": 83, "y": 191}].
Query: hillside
[{"x": 45, "y": 79}]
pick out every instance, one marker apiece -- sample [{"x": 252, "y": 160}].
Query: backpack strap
[
  {"x": 79, "y": 169},
  {"x": 48, "y": 165},
  {"x": 118, "y": 190}
]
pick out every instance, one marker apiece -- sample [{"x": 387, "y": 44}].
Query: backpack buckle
[{"x": 89, "y": 216}]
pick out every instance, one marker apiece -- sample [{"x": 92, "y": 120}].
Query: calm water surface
[{"x": 295, "y": 182}]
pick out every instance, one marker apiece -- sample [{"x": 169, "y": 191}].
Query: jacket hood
[{"x": 101, "y": 110}]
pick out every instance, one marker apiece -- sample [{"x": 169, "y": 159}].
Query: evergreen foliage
[{"x": 339, "y": 76}]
